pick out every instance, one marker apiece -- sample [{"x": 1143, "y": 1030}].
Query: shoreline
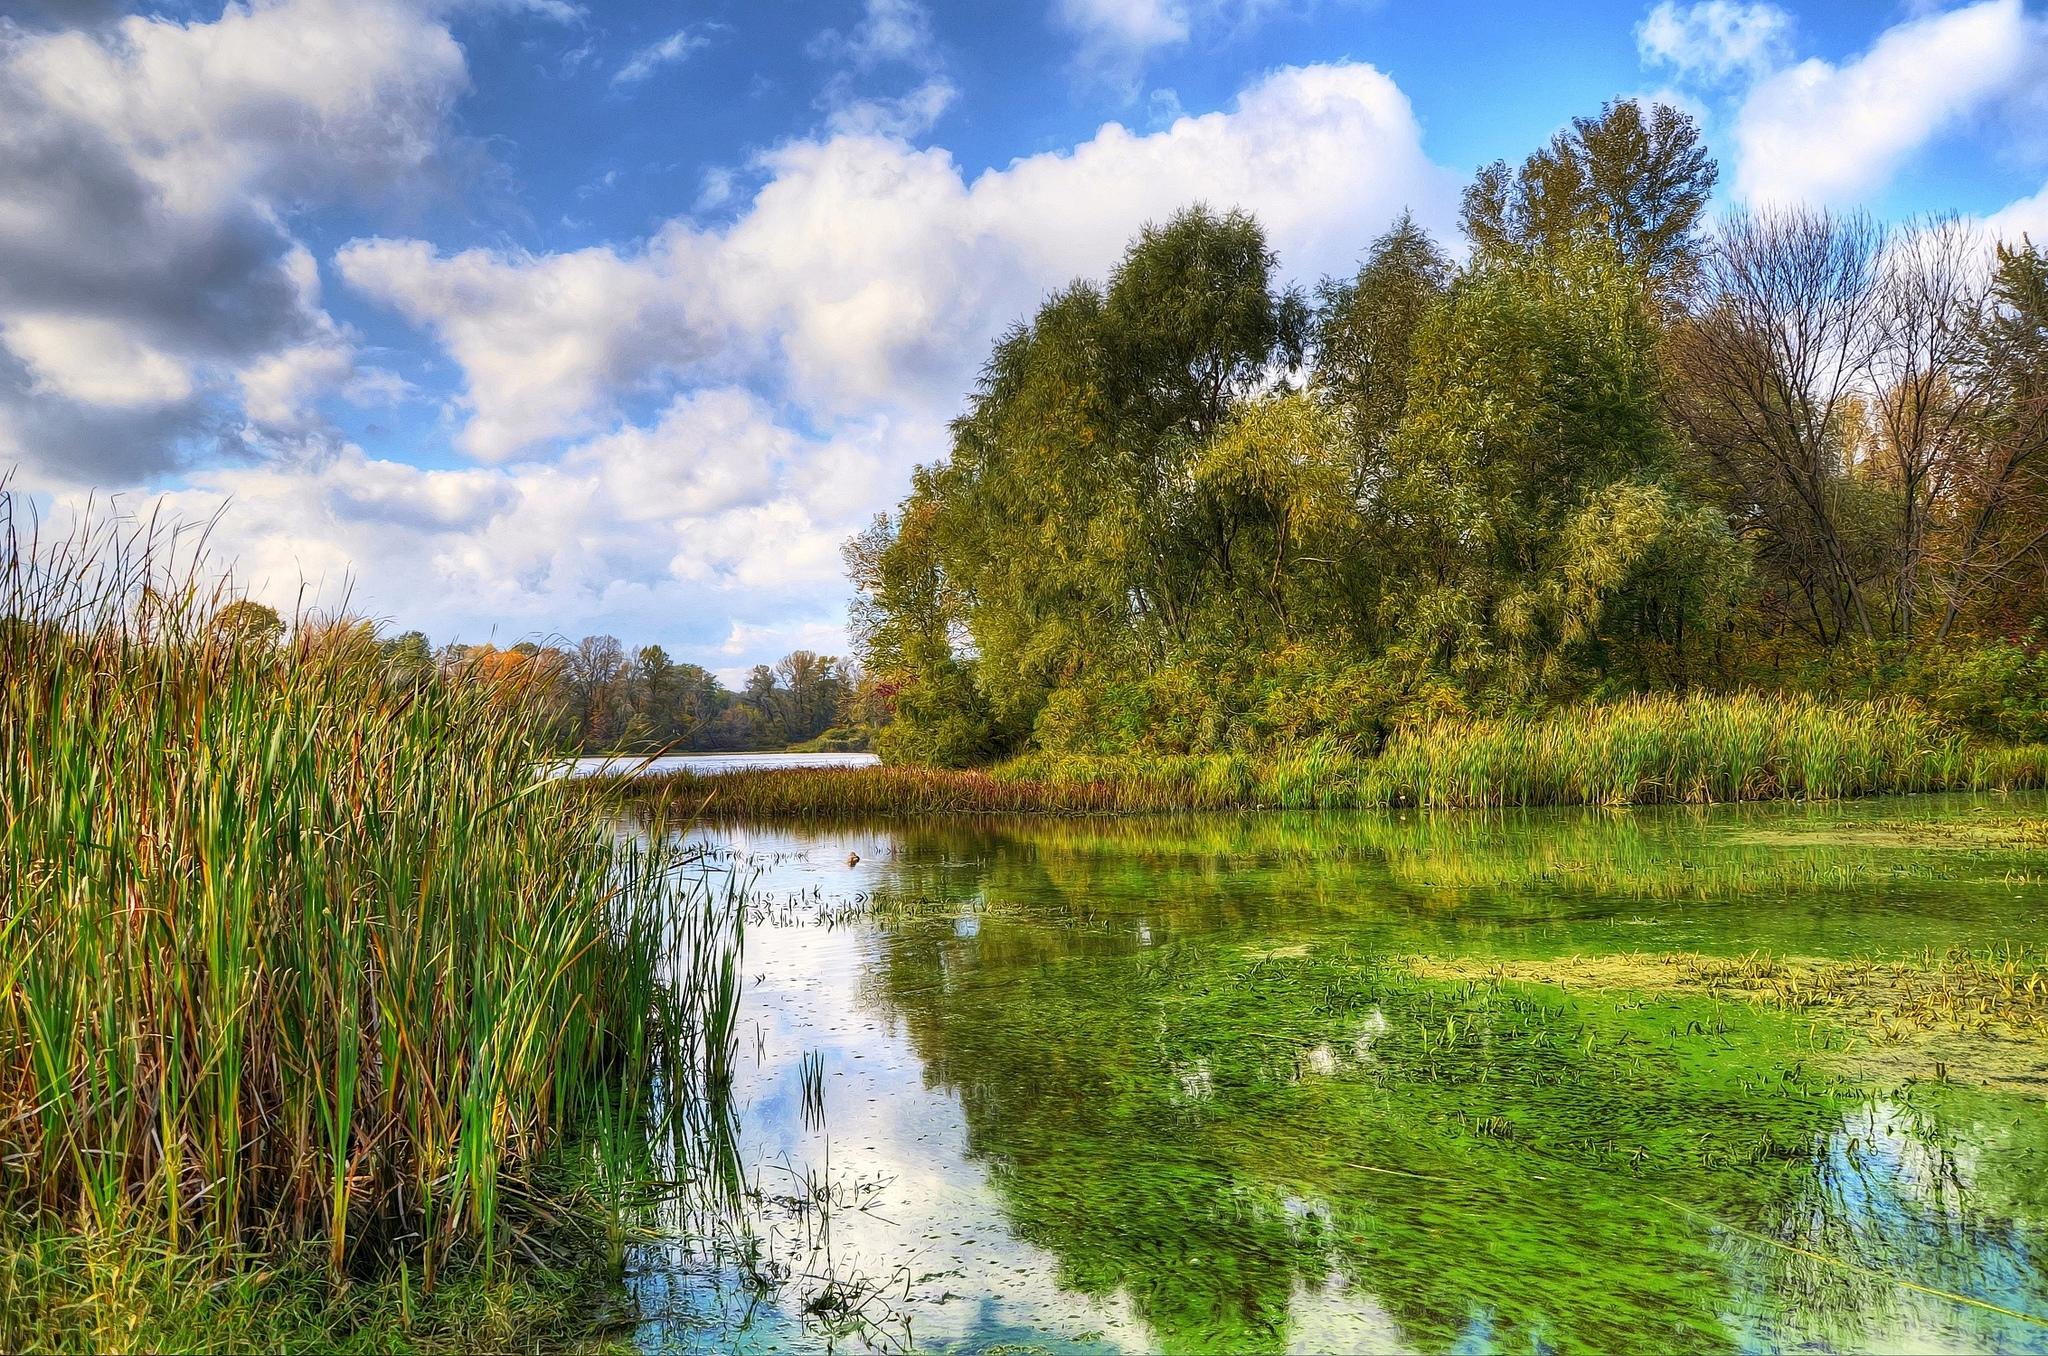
[{"x": 1647, "y": 751}]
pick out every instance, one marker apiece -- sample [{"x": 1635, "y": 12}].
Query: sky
[{"x": 510, "y": 319}]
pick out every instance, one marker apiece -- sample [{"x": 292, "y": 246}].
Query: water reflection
[{"x": 1097, "y": 1086}]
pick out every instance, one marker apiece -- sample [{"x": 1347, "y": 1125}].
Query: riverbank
[
  {"x": 1644, "y": 751},
  {"x": 321, "y": 1022}
]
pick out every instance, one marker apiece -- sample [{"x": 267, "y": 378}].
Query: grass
[
  {"x": 302, "y": 973},
  {"x": 1642, "y": 751}
]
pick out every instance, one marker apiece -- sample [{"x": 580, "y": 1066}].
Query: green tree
[
  {"x": 1535, "y": 387},
  {"x": 409, "y": 659},
  {"x": 1639, "y": 177},
  {"x": 1365, "y": 335},
  {"x": 248, "y": 622}
]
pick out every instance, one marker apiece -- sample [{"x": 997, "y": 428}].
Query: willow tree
[{"x": 1535, "y": 390}]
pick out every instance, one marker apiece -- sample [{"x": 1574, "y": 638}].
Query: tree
[
  {"x": 809, "y": 691},
  {"x": 1929, "y": 400},
  {"x": 1639, "y": 177},
  {"x": 408, "y": 660},
  {"x": 1365, "y": 335},
  {"x": 2002, "y": 521},
  {"x": 1768, "y": 371},
  {"x": 593, "y": 673},
  {"x": 1535, "y": 386},
  {"x": 1192, "y": 322},
  {"x": 248, "y": 623}
]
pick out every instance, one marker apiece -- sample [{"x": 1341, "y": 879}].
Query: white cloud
[
  {"x": 1817, "y": 132},
  {"x": 708, "y": 452},
  {"x": 893, "y": 30},
  {"x": 671, "y": 50},
  {"x": 93, "y": 360},
  {"x": 285, "y": 97},
  {"x": 2026, "y": 217},
  {"x": 547, "y": 343},
  {"x": 1115, "y": 33},
  {"x": 826, "y": 637},
  {"x": 1714, "y": 39},
  {"x": 1114, "y": 39},
  {"x": 869, "y": 275},
  {"x": 713, "y": 517},
  {"x": 149, "y": 282},
  {"x": 907, "y": 115}
]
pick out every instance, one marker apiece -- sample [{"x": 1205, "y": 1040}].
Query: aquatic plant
[{"x": 293, "y": 956}]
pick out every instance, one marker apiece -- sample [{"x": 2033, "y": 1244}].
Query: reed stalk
[{"x": 297, "y": 957}]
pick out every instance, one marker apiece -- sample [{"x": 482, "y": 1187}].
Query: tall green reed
[
  {"x": 295, "y": 954},
  {"x": 1692, "y": 749}
]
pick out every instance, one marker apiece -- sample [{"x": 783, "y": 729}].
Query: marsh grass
[
  {"x": 296, "y": 962},
  {"x": 1643, "y": 751}
]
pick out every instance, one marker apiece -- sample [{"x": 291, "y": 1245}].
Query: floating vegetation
[
  {"x": 1182, "y": 1082},
  {"x": 1975, "y": 1014}
]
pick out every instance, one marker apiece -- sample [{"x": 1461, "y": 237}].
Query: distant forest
[
  {"x": 600, "y": 698},
  {"x": 604, "y": 699}
]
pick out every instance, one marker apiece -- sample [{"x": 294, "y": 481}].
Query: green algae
[{"x": 1577, "y": 1082}]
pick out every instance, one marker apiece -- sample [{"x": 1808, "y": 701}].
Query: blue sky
[{"x": 536, "y": 317}]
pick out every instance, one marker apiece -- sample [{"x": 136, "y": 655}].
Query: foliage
[
  {"x": 598, "y": 698},
  {"x": 1611, "y": 454},
  {"x": 1998, "y": 689},
  {"x": 1638, "y": 177}
]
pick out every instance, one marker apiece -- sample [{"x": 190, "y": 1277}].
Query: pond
[
  {"x": 1370, "y": 1083},
  {"x": 651, "y": 765}
]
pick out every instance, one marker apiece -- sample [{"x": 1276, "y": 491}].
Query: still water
[
  {"x": 1267, "y": 1083},
  {"x": 643, "y": 765}
]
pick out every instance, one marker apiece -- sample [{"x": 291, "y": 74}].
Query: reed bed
[
  {"x": 1642, "y": 751},
  {"x": 296, "y": 960}
]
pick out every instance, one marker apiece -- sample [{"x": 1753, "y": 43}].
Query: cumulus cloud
[
  {"x": 868, "y": 274},
  {"x": 1115, "y": 39},
  {"x": 547, "y": 343},
  {"x": 1714, "y": 39},
  {"x": 2026, "y": 217},
  {"x": 712, "y": 517},
  {"x": 1821, "y": 132},
  {"x": 148, "y": 282},
  {"x": 93, "y": 360}
]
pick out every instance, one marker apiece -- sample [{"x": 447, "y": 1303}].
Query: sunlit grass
[{"x": 1646, "y": 750}]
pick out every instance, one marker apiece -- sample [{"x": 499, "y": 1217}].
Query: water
[
  {"x": 597, "y": 764},
  {"x": 1184, "y": 1085}
]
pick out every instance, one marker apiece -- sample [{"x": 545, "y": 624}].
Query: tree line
[
  {"x": 1619, "y": 448},
  {"x": 598, "y": 697}
]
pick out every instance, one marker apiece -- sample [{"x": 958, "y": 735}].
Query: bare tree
[
  {"x": 1770, "y": 369},
  {"x": 1772, "y": 362},
  {"x": 1928, "y": 398}
]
